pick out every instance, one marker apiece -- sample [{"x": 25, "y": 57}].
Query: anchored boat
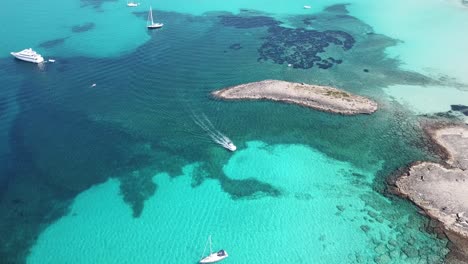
[
  {"x": 213, "y": 257},
  {"x": 28, "y": 55},
  {"x": 132, "y": 4},
  {"x": 150, "y": 24}
]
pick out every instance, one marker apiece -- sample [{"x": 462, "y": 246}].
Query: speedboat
[
  {"x": 28, "y": 55},
  {"x": 230, "y": 146},
  {"x": 307, "y": 7}
]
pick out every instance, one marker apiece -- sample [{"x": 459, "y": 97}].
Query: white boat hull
[
  {"x": 155, "y": 25},
  {"x": 38, "y": 59},
  {"x": 231, "y": 147},
  {"x": 213, "y": 258}
]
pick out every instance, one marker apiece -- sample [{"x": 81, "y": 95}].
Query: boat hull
[
  {"x": 213, "y": 258},
  {"x": 155, "y": 26},
  {"x": 35, "y": 60}
]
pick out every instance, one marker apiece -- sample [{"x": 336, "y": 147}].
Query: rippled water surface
[{"x": 120, "y": 171}]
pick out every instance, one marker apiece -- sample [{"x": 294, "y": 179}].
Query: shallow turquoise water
[
  {"x": 318, "y": 219},
  {"x": 121, "y": 173}
]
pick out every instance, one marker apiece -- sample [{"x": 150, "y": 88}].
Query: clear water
[{"x": 121, "y": 173}]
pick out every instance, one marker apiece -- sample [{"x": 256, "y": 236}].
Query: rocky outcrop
[
  {"x": 321, "y": 98},
  {"x": 441, "y": 190}
]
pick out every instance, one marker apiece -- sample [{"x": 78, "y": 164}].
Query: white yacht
[
  {"x": 213, "y": 257},
  {"x": 132, "y": 4},
  {"x": 28, "y": 55},
  {"x": 150, "y": 24},
  {"x": 307, "y": 7}
]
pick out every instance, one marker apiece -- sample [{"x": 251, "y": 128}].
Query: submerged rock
[
  {"x": 410, "y": 252},
  {"x": 83, "y": 28},
  {"x": 248, "y": 21},
  {"x": 301, "y": 47},
  {"x": 235, "y": 46},
  {"x": 460, "y": 108},
  {"x": 52, "y": 43},
  {"x": 365, "y": 228}
]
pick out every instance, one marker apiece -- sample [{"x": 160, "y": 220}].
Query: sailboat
[
  {"x": 213, "y": 257},
  {"x": 132, "y": 4},
  {"x": 150, "y": 24}
]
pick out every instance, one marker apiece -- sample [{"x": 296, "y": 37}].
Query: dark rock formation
[
  {"x": 460, "y": 108},
  {"x": 83, "y": 28},
  {"x": 301, "y": 47},
  {"x": 248, "y": 21},
  {"x": 235, "y": 46},
  {"x": 52, "y": 43}
]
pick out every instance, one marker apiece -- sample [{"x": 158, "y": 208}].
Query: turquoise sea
[{"x": 121, "y": 172}]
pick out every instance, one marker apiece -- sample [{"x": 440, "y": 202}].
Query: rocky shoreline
[
  {"x": 323, "y": 98},
  {"x": 441, "y": 190}
]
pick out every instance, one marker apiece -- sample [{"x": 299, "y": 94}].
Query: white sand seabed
[
  {"x": 432, "y": 43},
  {"x": 427, "y": 99}
]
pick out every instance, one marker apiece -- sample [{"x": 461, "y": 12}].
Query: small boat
[
  {"x": 93, "y": 85},
  {"x": 213, "y": 257},
  {"x": 150, "y": 24},
  {"x": 230, "y": 146},
  {"x": 28, "y": 55},
  {"x": 132, "y": 4},
  {"x": 51, "y": 60},
  {"x": 307, "y": 7}
]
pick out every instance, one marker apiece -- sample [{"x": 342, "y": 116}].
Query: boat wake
[{"x": 204, "y": 123}]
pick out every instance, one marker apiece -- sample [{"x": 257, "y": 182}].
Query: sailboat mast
[
  {"x": 211, "y": 250},
  {"x": 150, "y": 16}
]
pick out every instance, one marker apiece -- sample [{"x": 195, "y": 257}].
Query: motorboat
[
  {"x": 132, "y": 4},
  {"x": 307, "y": 7},
  {"x": 230, "y": 146},
  {"x": 28, "y": 55},
  {"x": 150, "y": 23},
  {"x": 51, "y": 60},
  {"x": 213, "y": 257}
]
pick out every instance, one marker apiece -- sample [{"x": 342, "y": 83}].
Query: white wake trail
[{"x": 204, "y": 123}]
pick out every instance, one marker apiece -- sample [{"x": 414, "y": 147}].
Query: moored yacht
[
  {"x": 150, "y": 24},
  {"x": 132, "y": 4},
  {"x": 28, "y": 55},
  {"x": 213, "y": 256}
]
